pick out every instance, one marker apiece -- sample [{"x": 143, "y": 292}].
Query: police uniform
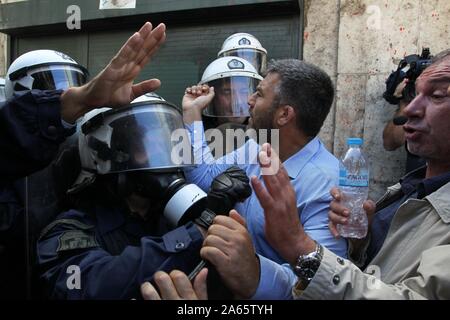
[
  {"x": 109, "y": 252},
  {"x": 31, "y": 131}
]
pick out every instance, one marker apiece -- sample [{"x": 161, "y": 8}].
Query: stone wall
[{"x": 359, "y": 42}]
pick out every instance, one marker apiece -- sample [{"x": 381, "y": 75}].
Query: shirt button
[
  {"x": 179, "y": 246},
  {"x": 336, "y": 279},
  {"x": 340, "y": 261}
]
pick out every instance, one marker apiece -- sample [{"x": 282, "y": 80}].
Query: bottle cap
[{"x": 355, "y": 141}]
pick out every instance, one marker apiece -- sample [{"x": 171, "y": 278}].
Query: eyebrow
[{"x": 442, "y": 80}]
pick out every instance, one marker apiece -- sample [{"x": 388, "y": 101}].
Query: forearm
[
  {"x": 107, "y": 276},
  {"x": 275, "y": 281},
  {"x": 30, "y": 133},
  {"x": 206, "y": 168},
  {"x": 339, "y": 279},
  {"x": 394, "y": 135}
]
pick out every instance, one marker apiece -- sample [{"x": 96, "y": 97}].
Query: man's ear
[{"x": 284, "y": 115}]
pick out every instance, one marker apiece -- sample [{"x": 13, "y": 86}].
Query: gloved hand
[{"x": 228, "y": 188}]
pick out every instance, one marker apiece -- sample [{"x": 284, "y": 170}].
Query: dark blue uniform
[
  {"x": 30, "y": 133},
  {"x": 115, "y": 253}
]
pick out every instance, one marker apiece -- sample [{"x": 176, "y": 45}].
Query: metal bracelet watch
[{"x": 307, "y": 266}]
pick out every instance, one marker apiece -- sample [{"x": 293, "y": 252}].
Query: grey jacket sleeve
[{"x": 339, "y": 279}]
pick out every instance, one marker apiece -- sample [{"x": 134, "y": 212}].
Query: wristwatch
[{"x": 307, "y": 266}]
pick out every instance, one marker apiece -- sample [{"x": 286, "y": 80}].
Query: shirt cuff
[{"x": 275, "y": 282}]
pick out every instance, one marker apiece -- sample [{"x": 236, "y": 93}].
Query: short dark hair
[
  {"x": 441, "y": 56},
  {"x": 307, "y": 88}
]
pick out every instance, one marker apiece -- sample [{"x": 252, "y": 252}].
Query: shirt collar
[
  {"x": 297, "y": 161},
  {"x": 415, "y": 181},
  {"x": 410, "y": 182}
]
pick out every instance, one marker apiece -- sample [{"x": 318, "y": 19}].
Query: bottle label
[{"x": 360, "y": 179}]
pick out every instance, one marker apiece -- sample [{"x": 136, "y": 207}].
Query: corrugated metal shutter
[{"x": 184, "y": 56}]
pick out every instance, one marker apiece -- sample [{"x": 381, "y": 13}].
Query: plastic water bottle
[{"x": 354, "y": 184}]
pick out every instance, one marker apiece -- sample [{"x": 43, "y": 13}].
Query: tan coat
[{"x": 413, "y": 263}]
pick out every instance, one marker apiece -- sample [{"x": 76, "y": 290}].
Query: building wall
[
  {"x": 359, "y": 42},
  {"x": 3, "y": 46}
]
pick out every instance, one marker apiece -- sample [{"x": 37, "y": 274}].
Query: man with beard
[{"x": 293, "y": 99}]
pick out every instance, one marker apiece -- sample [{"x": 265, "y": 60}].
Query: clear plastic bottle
[{"x": 354, "y": 184}]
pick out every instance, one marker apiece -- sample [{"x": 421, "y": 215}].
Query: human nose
[
  {"x": 251, "y": 100},
  {"x": 416, "y": 108}
]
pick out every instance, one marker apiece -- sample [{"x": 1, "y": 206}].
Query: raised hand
[
  {"x": 195, "y": 99},
  {"x": 283, "y": 229},
  {"x": 113, "y": 86}
]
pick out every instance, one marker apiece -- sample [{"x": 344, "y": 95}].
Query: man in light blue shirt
[{"x": 293, "y": 100}]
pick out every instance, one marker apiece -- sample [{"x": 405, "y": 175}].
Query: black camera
[{"x": 409, "y": 68}]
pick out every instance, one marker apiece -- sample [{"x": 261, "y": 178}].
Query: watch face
[{"x": 307, "y": 268}]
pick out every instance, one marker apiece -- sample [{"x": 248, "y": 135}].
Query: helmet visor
[
  {"x": 57, "y": 77},
  {"x": 231, "y": 96},
  {"x": 257, "y": 58},
  {"x": 148, "y": 137}
]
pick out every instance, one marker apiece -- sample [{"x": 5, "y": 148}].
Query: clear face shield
[
  {"x": 257, "y": 58},
  {"x": 141, "y": 139},
  {"x": 231, "y": 97},
  {"x": 58, "y": 77}
]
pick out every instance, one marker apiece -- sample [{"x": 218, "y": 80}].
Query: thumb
[
  {"x": 370, "y": 208},
  {"x": 200, "y": 286},
  {"x": 237, "y": 217},
  {"x": 145, "y": 86}
]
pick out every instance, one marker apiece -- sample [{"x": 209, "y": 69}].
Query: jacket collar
[{"x": 440, "y": 200}]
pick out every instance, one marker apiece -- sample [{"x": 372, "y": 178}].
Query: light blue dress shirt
[{"x": 313, "y": 172}]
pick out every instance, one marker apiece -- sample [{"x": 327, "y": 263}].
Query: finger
[
  {"x": 370, "y": 208},
  {"x": 149, "y": 292},
  {"x": 166, "y": 286},
  {"x": 200, "y": 286},
  {"x": 151, "y": 42},
  {"x": 144, "y": 87},
  {"x": 336, "y": 194},
  {"x": 145, "y": 30},
  {"x": 215, "y": 256},
  {"x": 211, "y": 93},
  {"x": 228, "y": 222},
  {"x": 220, "y": 231},
  {"x": 128, "y": 51},
  {"x": 149, "y": 52},
  {"x": 265, "y": 199},
  {"x": 237, "y": 217},
  {"x": 448, "y": 91},
  {"x": 333, "y": 229},
  {"x": 216, "y": 242},
  {"x": 339, "y": 209},
  {"x": 275, "y": 162},
  {"x": 337, "y": 218},
  {"x": 183, "y": 285}
]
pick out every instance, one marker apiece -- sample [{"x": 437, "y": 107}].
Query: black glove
[{"x": 228, "y": 188}]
